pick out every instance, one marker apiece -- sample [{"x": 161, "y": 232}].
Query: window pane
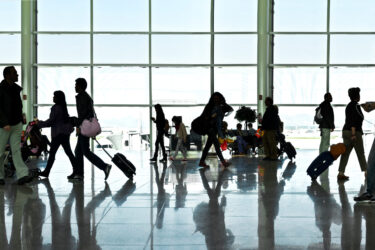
[
  {"x": 353, "y": 49},
  {"x": 300, "y": 15},
  {"x": 300, "y": 49},
  {"x": 342, "y": 78},
  {"x": 299, "y": 85},
  {"x": 10, "y": 48},
  {"x": 51, "y": 79},
  {"x": 349, "y": 15},
  {"x": 180, "y": 85},
  {"x": 125, "y": 15},
  {"x": 124, "y": 118},
  {"x": 237, "y": 84},
  {"x": 185, "y": 49},
  {"x": 10, "y": 15},
  {"x": 113, "y": 85},
  {"x": 235, "y": 49},
  {"x": 236, "y": 15},
  {"x": 67, "y": 15},
  {"x": 64, "y": 49},
  {"x": 121, "y": 49},
  {"x": 182, "y": 15}
]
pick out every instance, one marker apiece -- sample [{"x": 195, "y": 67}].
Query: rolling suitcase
[
  {"x": 122, "y": 163},
  {"x": 320, "y": 164},
  {"x": 286, "y": 147}
]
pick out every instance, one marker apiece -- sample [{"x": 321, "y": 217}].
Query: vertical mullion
[
  {"x": 328, "y": 43},
  {"x": 150, "y": 70},
  {"x": 212, "y": 51}
]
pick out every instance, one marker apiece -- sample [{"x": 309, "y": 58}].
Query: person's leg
[
  {"x": 346, "y": 136},
  {"x": 371, "y": 170},
  {"x": 205, "y": 150},
  {"x": 156, "y": 146},
  {"x": 161, "y": 140},
  {"x": 15, "y": 140},
  {"x": 55, "y": 144},
  {"x": 4, "y": 137},
  {"x": 266, "y": 144},
  {"x": 79, "y": 157},
  {"x": 68, "y": 150},
  {"x": 93, "y": 158},
  {"x": 325, "y": 140},
  {"x": 360, "y": 151},
  {"x": 178, "y": 146},
  {"x": 216, "y": 143},
  {"x": 183, "y": 149},
  {"x": 273, "y": 144},
  {"x": 240, "y": 144}
]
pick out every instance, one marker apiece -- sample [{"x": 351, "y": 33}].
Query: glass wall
[
  {"x": 321, "y": 46},
  {"x": 175, "y": 53}
]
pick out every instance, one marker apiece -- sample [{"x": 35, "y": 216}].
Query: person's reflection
[
  {"x": 163, "y": 197},
  {"x": 270, "y": 191},
  {"x": 87, "y": 237},
  {"x": 209, "y": 217},
  {"x": 346, "y": 217},
  {"x": 289, "y": 171},
  {"x": 181, "y": 189},
  {"x": 368, "y": 213},
  {"x": 125, "y": 191},
  {"x": 62, "y": 237},
  {"x": 326, "y": 210},
  {"x": 17, "y": 206}
]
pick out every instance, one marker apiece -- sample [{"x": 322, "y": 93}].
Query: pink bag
[{"x": 90, "y": 127}]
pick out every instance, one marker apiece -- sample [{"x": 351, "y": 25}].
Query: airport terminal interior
[{"x": 177, "y": 53}]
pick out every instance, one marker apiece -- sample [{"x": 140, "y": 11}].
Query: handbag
[{"x": 90, "y": 127}]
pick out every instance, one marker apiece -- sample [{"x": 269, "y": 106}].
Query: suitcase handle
[{"x": 103, "y": 148}]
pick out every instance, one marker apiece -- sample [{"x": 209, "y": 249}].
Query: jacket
[
  {"x": 10, "y": 104},
  {"x": 353, "y": 117},
  {"x": 57, "y": 122},
  {"x": 85, "y": 107},
  {"x": 181, "y": 132},
  {"x": 271, "y": 119},
  {"x": 326, "y": 111}
]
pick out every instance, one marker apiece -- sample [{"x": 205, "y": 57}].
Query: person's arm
[
  {"x": 183, "y": 130},
  {"x": 3, "y": 118},
  {"x": 52, "y": 118}
]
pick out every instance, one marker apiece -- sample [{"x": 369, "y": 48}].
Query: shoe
[
  {"x": 25, "y": 179},
  {"x": 171, "y": 158},
  {"x": 164, "y": 159},
  {"x": 70, "y": 176},
  {"x": 203, "y": 164},
  {"x": 153, "y": 159},
  {"x": 342, "y": 177},
  {"x": 77, "y": 177},
  {"x": 364, "y": 197},
  {"x": 185, "y": 159},
  {"x": 44, "y": 174},
  {"x": 107, "y": 170},
  {"x": 2, "y": 182}
]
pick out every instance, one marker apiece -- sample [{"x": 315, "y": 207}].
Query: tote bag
[{"x": 90, "y": 127}]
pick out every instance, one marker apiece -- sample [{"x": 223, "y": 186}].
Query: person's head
[
  {"x": 81, "y": 85},
  {"x": 354, "y": 94},
  {"x": 10, "y": 74},
  {"x": 176, "y": 120},
  {"x": 268, "y": 101},
  {"x": 239, "y": 126},
  {"x": 328, "y": 97},
  {"x": 157, "y": 107},
  {"x": 217, "y": 98},
  {"x": 59, "y": 97}
]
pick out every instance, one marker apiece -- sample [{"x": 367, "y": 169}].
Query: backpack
[
  {"x": 318, "y": 118},
  {"x": 166, "y": 126}
]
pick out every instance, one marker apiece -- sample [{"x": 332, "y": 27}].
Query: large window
[{"x": 175, "y": 53}]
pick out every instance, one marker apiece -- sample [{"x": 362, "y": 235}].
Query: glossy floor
[{"x": 254, "y": 204}]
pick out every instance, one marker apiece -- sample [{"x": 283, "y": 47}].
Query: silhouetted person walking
[
  {"x": 85, "y": 110},
  {"x": 270, "y": 125},
  {"x": 160, "y": 128},
  {"x": 327, "y": 125},
  {"x": 61, "y": 129},
  {"x": 11, "y": 124}
]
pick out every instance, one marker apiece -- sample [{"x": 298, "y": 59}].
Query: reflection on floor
[{"x": 254, "y": 204}]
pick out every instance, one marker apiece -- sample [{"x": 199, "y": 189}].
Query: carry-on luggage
[
  {"x": 320, "y": 164},
  {"x": 122, "y": 163},
  {"x": 286, "y": 147}
]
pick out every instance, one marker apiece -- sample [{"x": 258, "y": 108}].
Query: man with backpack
[{"x": 325, "y": 121}]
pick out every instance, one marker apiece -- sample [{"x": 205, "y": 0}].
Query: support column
[
  {"x": 28, "y": 55},
  {"x": 263, "y": 88}
]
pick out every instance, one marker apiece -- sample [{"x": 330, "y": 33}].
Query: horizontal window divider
[
  {"x": 10, "y": 64},
  {"x": 139, "y": 65},
  {"x": 144, "y": 105},
  {"x": 10, "y": 32},
  {"x": 321, "y": 65},
  {"x": 143, "y": 32},
  {"x": 307, "y": 105},
  {"x": 321, "y": 33}
]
